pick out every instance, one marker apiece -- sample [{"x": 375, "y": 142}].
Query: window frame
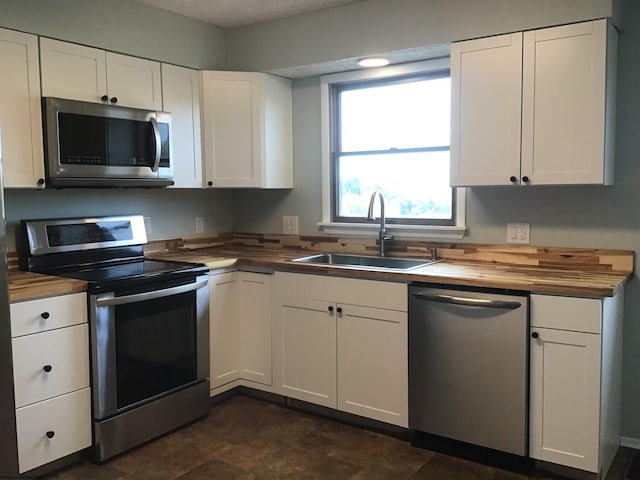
[
  {"x": 335, "y": 90},
  {"x": 361, "y": 226}
]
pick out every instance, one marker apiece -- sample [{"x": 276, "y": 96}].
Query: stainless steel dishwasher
[{"x": 468, "y": 367}]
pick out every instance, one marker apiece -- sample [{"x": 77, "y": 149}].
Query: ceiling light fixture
[{"x": 373, "y": 62}]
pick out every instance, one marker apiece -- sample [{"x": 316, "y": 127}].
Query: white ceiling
[{"x": 235, "y": 13}]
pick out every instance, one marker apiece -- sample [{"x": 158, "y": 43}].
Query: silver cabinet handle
[
  {"x": 139, "y": 297},
  {"x": 156, "y": 133},
  {"x": 465, "y": 301}
]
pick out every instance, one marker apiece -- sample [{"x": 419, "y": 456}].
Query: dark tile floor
[{"x": 245, "y": 438}]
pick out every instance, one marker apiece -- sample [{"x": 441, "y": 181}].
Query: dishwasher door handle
[{"x": 465, "y": 301}]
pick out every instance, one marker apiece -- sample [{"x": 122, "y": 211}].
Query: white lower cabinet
[
  {"x": 53, "y": 428},
  {"x": 224, "y": 344},
  {"x": 372, "y": 363},
  {"x": 307, "y": 350},
  {"x": 575, "y": 381},
  {"x": 240, "y": 321},
  {"x": 50, "y": 348},
  {"x": 342, "y": 343}
]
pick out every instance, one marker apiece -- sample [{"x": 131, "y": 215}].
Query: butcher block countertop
[
  {"x": 547, "y": 270},
  {"x": 532, "y": 279},
  {"x": 27, "y": 286}
]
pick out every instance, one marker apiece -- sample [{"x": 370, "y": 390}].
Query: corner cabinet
[
  {"x": 241, "y": 339},
  {"x": 181, "y": 97},
  {"x": 535, "y": 107},
  {"x": 50, "y": 347},
  {"x": 89, "y": 74},
  {"x": 342, "y": 343},
  {"x": 247, "y": 130},
  {"x": 575, "y": 381},
  {"x": 20, "y": 111}
]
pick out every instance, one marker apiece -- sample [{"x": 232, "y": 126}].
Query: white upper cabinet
[
  {"x": 20, "y": 111},
  {"x": 247, "y": 129},
  {"x": 534, "y": 108},
  {"x": 89, "y": 74},
  {"x": 181, "y": 97},
  {"x": 135, "y": 82},
  {"x": 486, "y": 96},
  {"x": 565, "y": 121}
]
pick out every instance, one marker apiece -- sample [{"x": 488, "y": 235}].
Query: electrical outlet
[
  {"x": 199, "y": 225},
  {"x": 290, "y": 225},
  {"x": 518, "y": 233},
  {"x": 147, "y": 226}
]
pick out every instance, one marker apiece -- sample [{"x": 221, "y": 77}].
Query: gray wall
[
  {"x": 123, "y": 26},
  {"x": 607, "y": 217},
  {"x": 378, "y": 26}
]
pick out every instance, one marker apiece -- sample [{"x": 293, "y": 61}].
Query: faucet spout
[{"x": 382, "y": 236}]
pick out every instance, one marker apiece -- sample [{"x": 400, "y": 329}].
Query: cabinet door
[
  {"x": 372, "y": 363},
  {"x": 72, "y": 71},
  {"x": 564, "y": 93},
  {"x": 20, "y": 111},
  {"x": 231, "y": 129},
  {"x": 486, "y": 93},
  {"x": 181, "y": 98},
  {"x": 224, "y": 351},
  {"x": 255, "y": 326},
  {"x": 135, "y": 82},
  {"x": 565, "y": 398},
  {"x": 307, "y": 350}
]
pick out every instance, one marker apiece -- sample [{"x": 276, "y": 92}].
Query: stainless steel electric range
[{"x": 149, "y": 325}]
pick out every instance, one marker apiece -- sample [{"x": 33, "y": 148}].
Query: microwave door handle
[{"x": 156, "y": 133}]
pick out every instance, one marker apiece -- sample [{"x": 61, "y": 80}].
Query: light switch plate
[
  {"x": 290, "y": 225},
  {"x": 518, "y": 233},
  {"x": 199, "y": 225}
]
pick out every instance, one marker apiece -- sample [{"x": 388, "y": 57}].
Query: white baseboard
[{"x": 630, "y": 442}]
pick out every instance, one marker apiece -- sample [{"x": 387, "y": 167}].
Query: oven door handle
[{"x": 140, "y": 297}]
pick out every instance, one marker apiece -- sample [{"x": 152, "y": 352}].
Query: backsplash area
[{"x": 172, "y": 211}]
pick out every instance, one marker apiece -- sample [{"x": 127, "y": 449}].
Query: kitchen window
[{"x": 387, "y": 129}]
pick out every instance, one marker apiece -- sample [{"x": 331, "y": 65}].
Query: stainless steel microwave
[{"x": 95, "y": 145}]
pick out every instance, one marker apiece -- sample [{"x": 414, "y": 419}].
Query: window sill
[{"x": 426, "y": 232}]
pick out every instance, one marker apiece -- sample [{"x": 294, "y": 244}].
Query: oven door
[{"x": 148, "y": 342}]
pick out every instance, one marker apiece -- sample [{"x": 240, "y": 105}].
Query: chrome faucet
[{"x": 382, "y": 237}]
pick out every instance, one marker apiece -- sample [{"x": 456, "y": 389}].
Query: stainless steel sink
[{"x": 364, "y": 261}]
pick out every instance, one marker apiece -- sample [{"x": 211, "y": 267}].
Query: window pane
[
  {"x": 401, "y": 115},
  {"x": 414, "y": 185}
]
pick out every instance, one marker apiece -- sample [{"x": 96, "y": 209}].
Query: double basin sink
[{"x": 364, "y": 262}]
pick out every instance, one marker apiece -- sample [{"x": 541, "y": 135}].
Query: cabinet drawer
[
  {"x": 566, "y": 313},
  {"x": 65, "y": 351},
  {"x": 69, "y": 419},
  {"x": 44, "y": 314}
]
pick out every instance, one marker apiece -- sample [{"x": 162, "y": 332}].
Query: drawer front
[
  {"x": 64, "y": 353},
  {"x": 67, "y": 417},
  {"x": 34, "y": 316},
  {"x": 353, "y": 291},
  {"x": 566, "y": 313}
]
